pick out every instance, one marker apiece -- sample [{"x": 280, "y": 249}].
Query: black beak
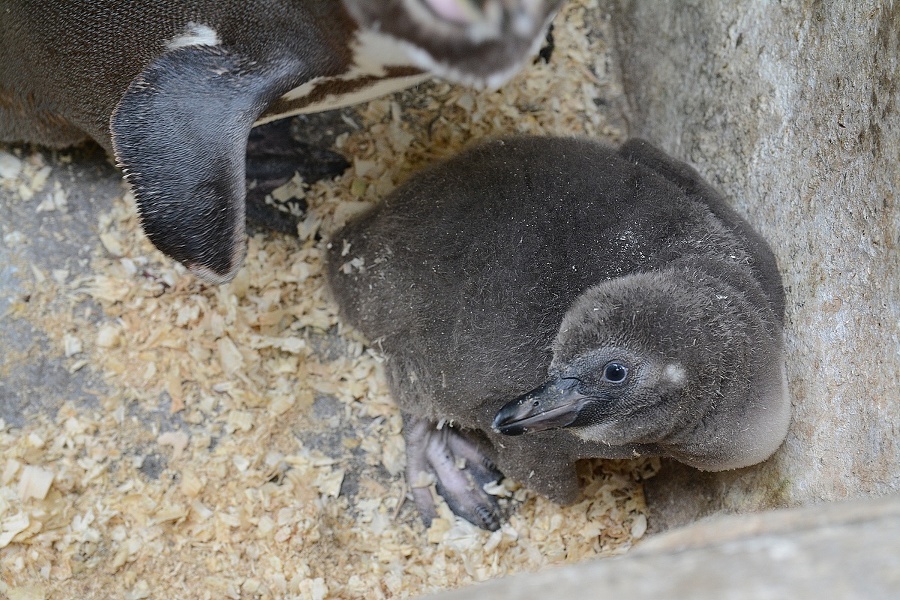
[{"x": 553, "y": 405}]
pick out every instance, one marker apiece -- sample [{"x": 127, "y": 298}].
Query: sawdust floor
[{"x": 236, "y": 441}]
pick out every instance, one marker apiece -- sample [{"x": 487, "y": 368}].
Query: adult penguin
[{"x": 173, "y": 87}]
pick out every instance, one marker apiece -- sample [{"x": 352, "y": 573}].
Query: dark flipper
[
  {"x": 273, "y": 157},
  {"x": 439, "y": 452},
  {"x": 180, "y": 133}
]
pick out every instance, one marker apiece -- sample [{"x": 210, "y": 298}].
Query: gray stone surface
[
  {"x": 34, "y": 380},
  {"x": 793, "y": 110},
  {"x": 843, "y": 550}
]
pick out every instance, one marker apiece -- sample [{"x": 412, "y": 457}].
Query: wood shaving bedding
[{"x": 246, "y": 445}]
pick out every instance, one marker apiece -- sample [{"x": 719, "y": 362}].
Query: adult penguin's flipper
[{"x": 180, "y": 134}]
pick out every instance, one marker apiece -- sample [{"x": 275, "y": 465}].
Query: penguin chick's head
[
  {"x": 481, "y": 43},
  {"x": 644, "y": 362}
]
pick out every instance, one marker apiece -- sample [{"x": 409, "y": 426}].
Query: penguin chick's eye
[{"x": 615, "y": 372}]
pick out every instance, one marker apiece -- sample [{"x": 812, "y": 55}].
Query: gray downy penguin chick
[
  {"x": 604, "y": 303},
  {"x": 173, "y": 87}
]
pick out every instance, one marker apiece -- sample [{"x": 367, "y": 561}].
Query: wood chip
[
  {"x": 34, "y": 483},
  {"x": 10, "y": 166},
  {"x": 178, "y": 440}
]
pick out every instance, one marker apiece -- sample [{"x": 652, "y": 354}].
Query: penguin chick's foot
[
  {"x": 273, "y": 157},
  {"x": 459, "y": 468}
]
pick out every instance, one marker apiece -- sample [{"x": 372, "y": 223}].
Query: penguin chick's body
[
  {"x": 173, "y": 87},
  {"x": 604, "y": 303}
]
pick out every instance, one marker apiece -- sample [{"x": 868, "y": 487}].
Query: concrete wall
[
  {"x": 847, "y": 550},
  {"x": 793, "y": 110}
]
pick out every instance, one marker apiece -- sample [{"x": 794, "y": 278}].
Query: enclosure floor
[{"x": 161, "y": 438}]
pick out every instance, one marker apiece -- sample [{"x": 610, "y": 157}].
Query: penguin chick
[
  {"x": 172, "y": 88},
  {"x": 602, "y": 302}
]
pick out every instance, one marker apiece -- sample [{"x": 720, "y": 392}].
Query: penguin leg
[
  {"x": 274, "y": 156},
  {"x": 180, "y": 134},
  {"x": 460, "y": 470}
]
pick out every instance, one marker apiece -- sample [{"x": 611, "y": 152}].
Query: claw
[
  {"x": 460, "y": 471},
  {"x": 273, "y": 157}
]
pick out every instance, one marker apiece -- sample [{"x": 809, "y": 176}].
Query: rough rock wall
[
  {"x": 793, "y": 110},
  {"x": 845, "y": 550}
]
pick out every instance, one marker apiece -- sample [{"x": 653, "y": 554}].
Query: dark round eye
[{"x": 615, "y": 372}]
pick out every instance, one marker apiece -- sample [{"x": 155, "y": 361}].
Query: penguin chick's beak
[{"x": 555, "y": 404}]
